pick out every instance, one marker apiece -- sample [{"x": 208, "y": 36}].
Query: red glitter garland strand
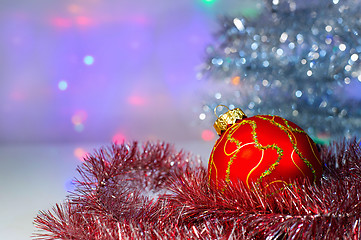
[{"x": 155, "y": 192}]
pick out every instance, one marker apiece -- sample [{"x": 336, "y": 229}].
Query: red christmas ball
[{"x": 263, "y": 150}]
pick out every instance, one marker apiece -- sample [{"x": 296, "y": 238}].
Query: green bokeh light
[{"x": 209, "y": 1}]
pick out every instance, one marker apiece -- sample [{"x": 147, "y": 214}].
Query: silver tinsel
[{"x": 297, "y": 59}]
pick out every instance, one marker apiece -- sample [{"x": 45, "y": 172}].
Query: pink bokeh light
[
  {"x": 118, "y": 138},
  {"x": 79, "y": 117},
  {"x": 80, "y": 153},
  {"x": 61, "y": 22},
  {"x": 137, "y": 100},
  {"x": 208, "y": 135}
]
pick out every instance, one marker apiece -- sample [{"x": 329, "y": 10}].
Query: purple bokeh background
[
  {"x": 76, "y": 75},
  {"x": 104, "y": 70}
]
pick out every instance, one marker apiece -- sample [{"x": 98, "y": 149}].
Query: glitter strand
[
  {"x": 108, "y": 204},
  {"x": 299, "y": 60}
]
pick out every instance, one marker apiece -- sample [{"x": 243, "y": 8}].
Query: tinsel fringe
[{"x": 155, "y": 192}]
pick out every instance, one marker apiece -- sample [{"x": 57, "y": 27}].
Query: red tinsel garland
[{"x": 155, "y": 192}]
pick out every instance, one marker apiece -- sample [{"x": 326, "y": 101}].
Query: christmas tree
[{"x": 297, "y": 59}]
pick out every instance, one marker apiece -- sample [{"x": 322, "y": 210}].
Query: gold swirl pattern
[{"x": 284, "y": 126}]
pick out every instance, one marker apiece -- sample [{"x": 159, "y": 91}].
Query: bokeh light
[
  {"x": 118, "y": 138},
  {"x": 208, "y": 135},
  {"x": 236, "y": 80},
  {"x": 62, "y": 85},
  {"x": 78, "y": 119},
  {"x": 79, "y": 127},
  {"x": 18, "y": 95},
  {"x": 60, "y": 22},
  {"x": 73, "y": 8},
  {"x": 209, "y": 1},
  {"x": 88, "y": 60},
  {"x": 136, "y": 100},
  {"x": 83, "y": 21},
  {"x": 80, "y": 153}
]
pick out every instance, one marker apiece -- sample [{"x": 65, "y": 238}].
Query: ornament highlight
[{"x": 262, "y": 150}]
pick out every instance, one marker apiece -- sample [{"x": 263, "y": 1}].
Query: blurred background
[{"x": 77, "y": 75}]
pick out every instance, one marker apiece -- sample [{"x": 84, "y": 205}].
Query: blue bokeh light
[
  {"x": 88, "y": 60},
  {"x": 62, "y": 85}
]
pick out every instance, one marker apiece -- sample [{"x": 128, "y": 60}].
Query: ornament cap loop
[{"x": 228, "y": 118}]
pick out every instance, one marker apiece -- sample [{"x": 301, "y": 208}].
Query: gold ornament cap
[{"x": 228, "y": 118}]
